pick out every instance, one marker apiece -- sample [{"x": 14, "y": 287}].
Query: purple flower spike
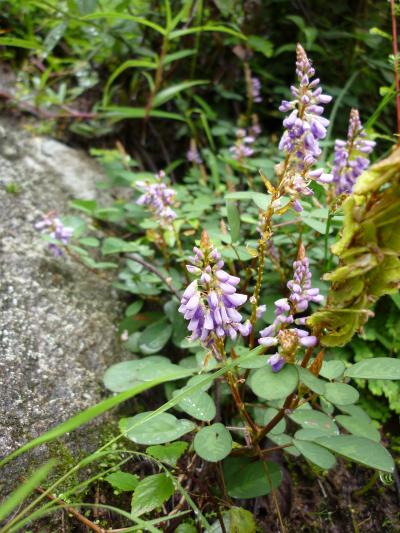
[
  {"x": 305, "y": 127},
  {"x": 158, "y": 198},
  {"x": 287, "y": 339},
  {"x": 210, "y": 301},
  {"x": 256, "y": 90},
  {"x": 350, "y": 157}
]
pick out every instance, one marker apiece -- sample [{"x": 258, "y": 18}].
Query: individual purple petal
[
  {"x": 309, "y": 341},
  {"x": 236, "y": 299},
  {"x": 268, "y": 341},
  {"x": 276, "y": 362}
]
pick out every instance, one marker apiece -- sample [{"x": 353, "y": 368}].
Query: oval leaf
[
  {"x": 312, "y": 382},
  {"x": 151, "y": 493},
  {"x": 376, "y": 368},
  {"x": 199, "y": 405},
  {"x": 213, "y": 443},
  {"x": 341, "y": 393},
  {"x": 274, "y": 385},
  {"x": 155, "y": 337},
  {"x": 162, "y": 428},
  {"x": 247, "y": 479},
  {"x": 311, "y": 419},
  {"x": 123, "y": 376},
  {"x": 360, "y": 450},
  {"x": 315, "y": 454},
  {"x": 359, "y": 427},
  {"x": 332, "y": 369}
]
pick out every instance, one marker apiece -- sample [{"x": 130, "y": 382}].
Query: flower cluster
[
  {"x": 278, "y": 333},
  {"x": 158, "y": 198},
  {"x": 256, "y": 90},
  {"x": 305, "y": 127},
  {"x": 58, "y": 231},
  {"x": 193, "y": 156},
  {"x": 243, "y": 146},
  {"x": 350, "y": 156},
  {"x": 210, "y": 302}
]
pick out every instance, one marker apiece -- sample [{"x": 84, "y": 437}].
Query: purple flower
[
  {"x": 304, "y": 128},
  {"x": 58, "y": 231},
  {"x": 256, "y": 90},
  {"x": 350, "y": 158},
  {"x": 276, "y": 361},
  {"x": 193, "y": 156},
  {"x": 288, "y": 340},
  {"x": 210, "y": 302},
  {"x": 242, "y": 148},
  {"x": 158, "y": 198}
]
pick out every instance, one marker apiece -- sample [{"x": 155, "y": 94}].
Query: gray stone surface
[{"x": 57, "y": 319}]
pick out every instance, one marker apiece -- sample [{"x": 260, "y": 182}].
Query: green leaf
[
  {"x": 168, "y": 453},
  {"x": 115, "y": 15},
  {"x": 23, "y": 491},
  {"x": 311, "y": 419},
  {"x": 376, "y": 368},
  {"x": 309, "y": 434},
  {"x": 316, "y": 454},
  {"x": 259, "y": 44},
  {"x": 315, "y": 224},
  {"x": 199, "y": 405},
  {"x": 208, "y": 27},
  {"x": 268, "y": 415},
  {"x": 249, "y": 479},
  {"x": 113, "y": 245},
  {"x": 236, "y": 520},
  {"x": 213, "y": 443},
  {"x": 92, "y": 242},
  {"x": 87, "y": 206},
  {"x": 283, "y": 440},
  {"x": 358, "y": 427},
  {"x": 355, "y": 411},
  {"x": 261, "y": 200},
  {"x": 123, "y": 481},
  {"x": 341, "y": 393},
  {"x": 233, "y": 220},
  {"x": 130, "y": 63},
  {"x": 155, "y": 337},
  {"x": 151, "y": 493},
  {"x": 123, "y": 376},
  {"x": 120, "y": 113},
  {"x": 162, "y": 428},
  {"x": 274, "y": 385},
  {"x": 186, "y": 527},
  {"x": 20, "y": 43},
  {"x": 360, "y": 450},
  {"x": 170, "y": 92},
  {"x": 312, "y": 382},
  {"x": 179, "y": 54},
  {"x": 134, "y": 308},
  {"x": 332, "y": 369}
]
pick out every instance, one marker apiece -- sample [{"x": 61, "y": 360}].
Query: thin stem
[{"x": 155, "y": 271}]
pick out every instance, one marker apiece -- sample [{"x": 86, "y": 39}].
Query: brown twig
[{"x": 88, "y": 523}]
